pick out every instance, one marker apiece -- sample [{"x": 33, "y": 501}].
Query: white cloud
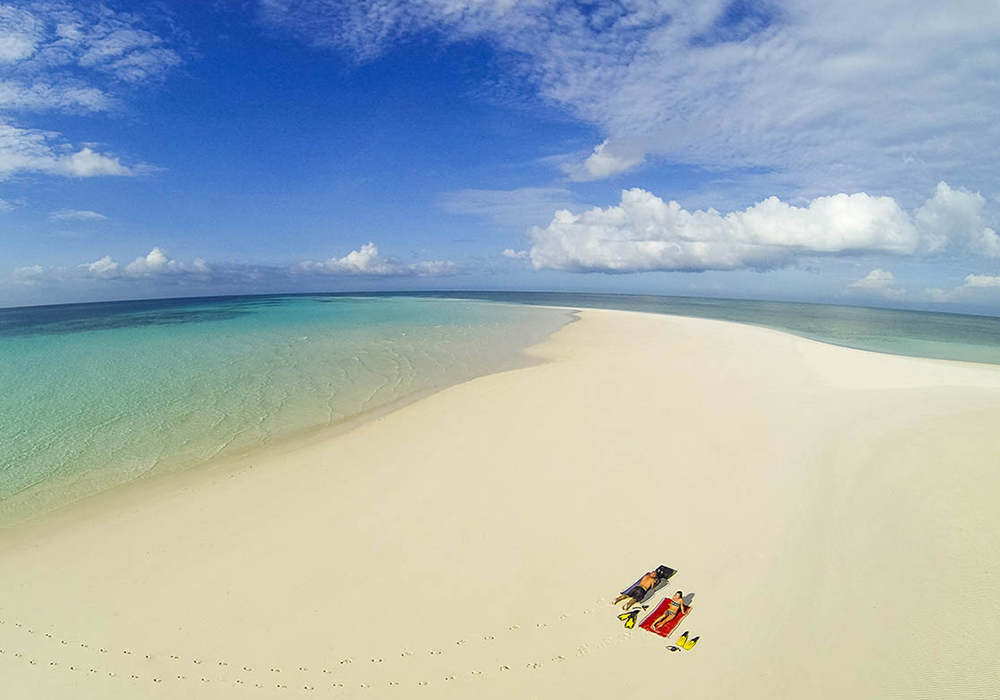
[
  {"x": 973, "y": 286},
  {"x": 105, "y": 267},
  {"x": 40, "y": 96},
  {"x": 368, "y": 261},
  {"x": 72, "y": 58},
  {"x": 646, "y": 233},
  {"x": 155, "y": 263},
  {"x": 516, "y": 254},
  {"x": 952, "y": 212},
  {"x": 20, "y": 33},
  {"x": 5, "y": 206},
  {"x": 895, "y": 101},
  {"x": 76, "y": 215},
  {"x": 982, "y": 281},
  {"x": 878, "y": 282},
  {"x": 32, "y": 150},
  {"x": 605, "y": 161},
  {"x": 29, "y": 271}
]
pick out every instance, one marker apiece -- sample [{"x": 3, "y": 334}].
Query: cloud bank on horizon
[
  {"x": 696, "y": 137},
  {"x": 645, "y": 233}
]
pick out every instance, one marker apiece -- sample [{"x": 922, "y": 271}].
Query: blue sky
[{"x": 780, "y": 150}]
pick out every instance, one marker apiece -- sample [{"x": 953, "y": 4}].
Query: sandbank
[{"x": 833, "y": 510}]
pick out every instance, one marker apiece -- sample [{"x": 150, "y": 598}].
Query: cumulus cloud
[
  {"x": 368, "y": 261},
  {"x": 32, "y": 150},
  {"x": 76, "y": 215},
  {"x": 982, "y": 281},
  {"x": 516, "y": 254},
  {"x": 645, "y": 233},
  {"x": 156, "y": 262},
  {"x": 794, "y": 86},
  {"x": 880, "y": 283},
  {"x": 972, "y": 287},
  {"x": 105, "y": 267}
]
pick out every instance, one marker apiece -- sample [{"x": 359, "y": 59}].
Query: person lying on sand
[
  {"x": 676, "y": 606},
  {"x": 638, "y": 591}
]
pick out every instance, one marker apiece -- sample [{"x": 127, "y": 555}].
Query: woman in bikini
[{"x": 676, "y": 606}]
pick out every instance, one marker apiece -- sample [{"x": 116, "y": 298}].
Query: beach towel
[
  {"x": 667, "y": 629},
  {"x": 663, "y": 577}
]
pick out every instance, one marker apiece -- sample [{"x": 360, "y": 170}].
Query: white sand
[{"x": 834, "y": 511}]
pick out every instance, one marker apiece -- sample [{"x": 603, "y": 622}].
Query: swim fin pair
[
  {"x": 684, "y": 643},
  {"x": 629, "y": 618}
]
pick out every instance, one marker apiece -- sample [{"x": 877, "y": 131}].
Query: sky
[{"x": 827, "y": 152}]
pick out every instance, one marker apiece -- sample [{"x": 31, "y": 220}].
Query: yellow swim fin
[
  {"x": 689, "y": 645},
  {"x": 629, "y": 618},
  {"x": 682, "y": 640}
]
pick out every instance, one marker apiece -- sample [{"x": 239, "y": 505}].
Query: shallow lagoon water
[
  {"x": 98, "y": 394},
  {"x": 93, "y": 395}
]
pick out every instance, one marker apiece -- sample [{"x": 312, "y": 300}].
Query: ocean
[{"x": 93, "y": 395}]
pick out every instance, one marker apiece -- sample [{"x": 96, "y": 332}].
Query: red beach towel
[{"x": 665, "y": 630}]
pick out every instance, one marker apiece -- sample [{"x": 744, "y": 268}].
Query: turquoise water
[
  {"x": 92, "y": 395},
  {"x": 97, "y": 394},
  {"x": 913, "y": 333}
]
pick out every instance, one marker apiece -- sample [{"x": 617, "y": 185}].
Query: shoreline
[
  {"x": 292, "y": 440},
  {"x": 471, "y": 540}
]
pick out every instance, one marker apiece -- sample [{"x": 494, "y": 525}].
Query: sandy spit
[{"x": 834, "y": 511}]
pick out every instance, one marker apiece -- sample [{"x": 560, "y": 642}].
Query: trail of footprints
[{"x": 307, "y": 684}]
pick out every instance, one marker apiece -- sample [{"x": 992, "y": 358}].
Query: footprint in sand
[
  {"x": 435, "y": 652},
  {"x": 301, "y": 668},
  {"x": 514, "y": 627},
  {"x": 422, "y": 683},
  {"x": 181, "y": 678},
  {"x": 407, "y": 653},
  {"x": 376, "y": 661},
  {"x": 477, "y": 673},
  {"x": 174, "y": 656},
  {"x": 460, "y": 642},
  {"x": 247, "y": 668},
  {"x": 393, "y": 682},
  {"x": 346, "y": 661},
  {"x": 449, "y": 678},
  {"x": 534, "y": 664},
  {"x": 504, "y": 667}
]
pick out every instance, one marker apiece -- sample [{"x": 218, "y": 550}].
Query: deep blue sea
[{"x": 92, "y": 395}]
